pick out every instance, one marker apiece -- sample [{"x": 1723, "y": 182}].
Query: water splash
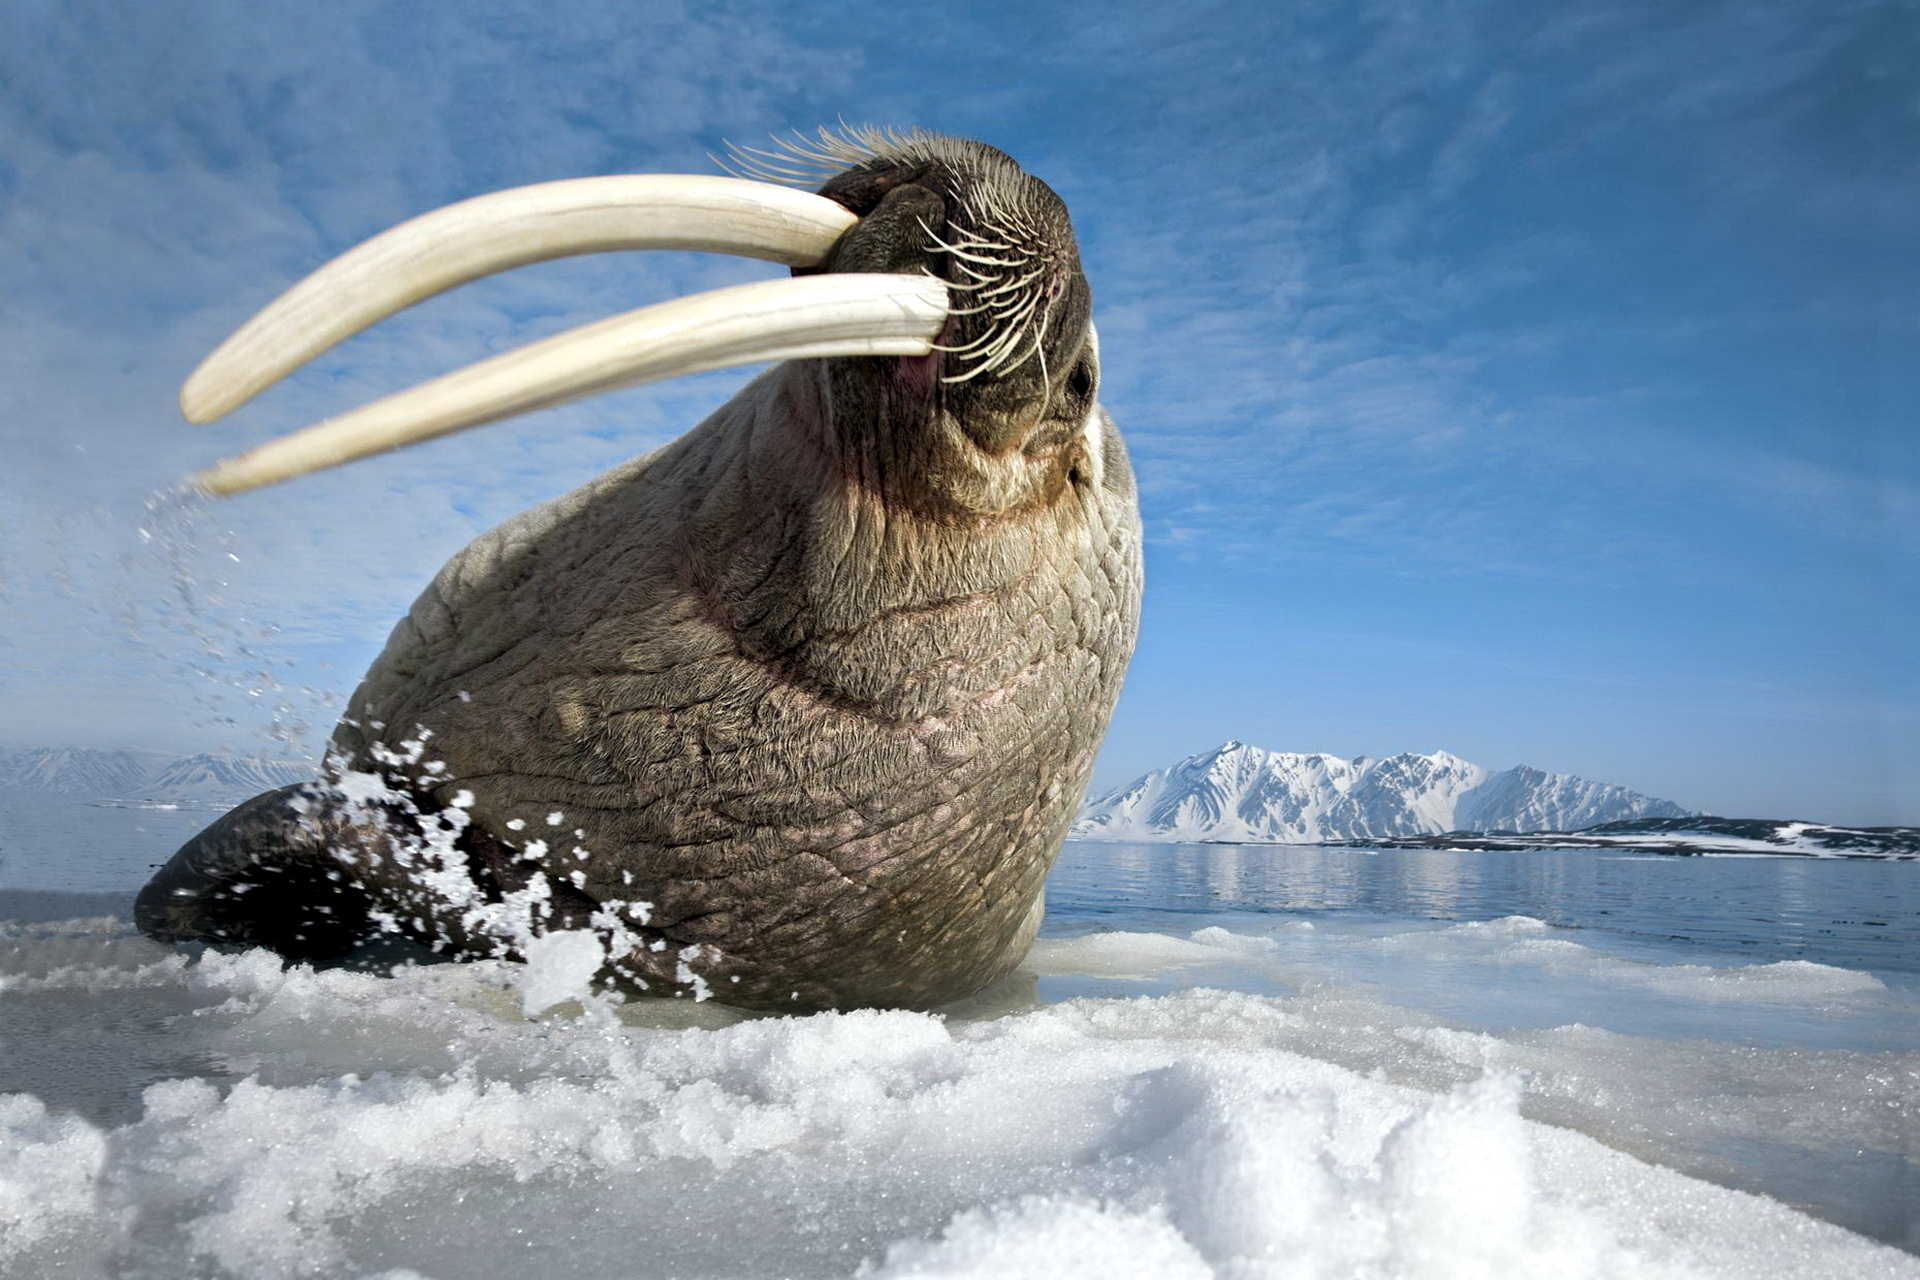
[{"x": 193, "y": 628}]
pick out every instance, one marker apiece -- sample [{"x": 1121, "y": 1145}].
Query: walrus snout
[{"x": 1014, "y": 367}]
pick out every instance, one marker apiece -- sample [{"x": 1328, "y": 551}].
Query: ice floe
[{"x": 227, "y": 1115}]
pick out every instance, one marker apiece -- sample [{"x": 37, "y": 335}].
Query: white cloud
[{"x": 169, "y": 171}]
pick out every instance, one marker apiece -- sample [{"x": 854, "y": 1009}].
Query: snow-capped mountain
[
  {"x": 219, "y": 776},
  {"x": 1526, "y": 799},
  {"x": 1241, "y": 793},
  {"x": 79, "y": 770},
  {"x": 132, "y": 775}
]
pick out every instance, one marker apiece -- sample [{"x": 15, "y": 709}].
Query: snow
[
  {"x": 226, "y": 1115},
  {"x": 1793, "y": 838},
  {"x": 1040, "y": 1238},
  {"x": 49, "y": 1168},
  {"x": 559, "y": 967}
]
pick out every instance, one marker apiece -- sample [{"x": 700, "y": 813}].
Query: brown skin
[{"x": 821, "y": 682}]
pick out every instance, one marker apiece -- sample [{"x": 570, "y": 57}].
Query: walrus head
[
  {"x": 938, "y": 251},
  {"x": 1004, "y": 395}
]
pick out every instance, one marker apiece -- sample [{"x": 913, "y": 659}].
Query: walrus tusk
[
  {"x": 437, "y": 251},
  {"x": 845, "y": 314}
]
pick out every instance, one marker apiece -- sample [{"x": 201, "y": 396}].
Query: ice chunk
[
  {"x": 50, "y": 1167},
  {"x": 1118, "y": 955},
  {"x": 560, "y": 966}
]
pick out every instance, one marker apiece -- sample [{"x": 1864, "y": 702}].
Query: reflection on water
[
  {"x": 70, "y": 844},
  {"x": 1853, "y": 913}
]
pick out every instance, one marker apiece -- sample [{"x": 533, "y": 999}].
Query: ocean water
[{"x": 1219, "y": 1060}]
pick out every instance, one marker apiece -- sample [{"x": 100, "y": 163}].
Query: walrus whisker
[
  {"x": 993, "y": 361},
  {"x": 995, "y": 344},
  {"x": 981, "y": 259},
  {"x": 970, "y": 263},
  {"x": 959, "y": 246},
  {"x": 989, "y": 340},
  {"x": 1040, "y": 350},
  {"x": 804, "y": 159},
  {"x": 975, "y": 242},
  {"x": 491, "y": 233},
  {"x": 999, "y": 363},
  {"x": 972, "y": 348},
  {"x": 810, "y": 316},
  {"x": 1010, "y": 287},
  {"x": 1013, "y": 285},
  {"x": 801, "y": 159},
  {"x": 1017, "y": 313},
  {"x": 1005, "y": 332},
  {"x": 980, "y": 278},
  {"x": 741, "y": 163}
]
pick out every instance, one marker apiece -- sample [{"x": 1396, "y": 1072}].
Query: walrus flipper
[{"x": 266, "y": 874}]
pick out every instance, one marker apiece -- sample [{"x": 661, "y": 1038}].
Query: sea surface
[{"x": 1219, "y": 1060}]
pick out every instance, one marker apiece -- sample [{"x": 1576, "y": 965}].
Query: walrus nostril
[
  {"x": 863, "y": 191},
  {"x": 893, "y": 236}
]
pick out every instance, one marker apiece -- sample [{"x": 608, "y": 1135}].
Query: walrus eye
[
  {"x": 834, "y": 315},
  {"x": 1080, "y": 383}
]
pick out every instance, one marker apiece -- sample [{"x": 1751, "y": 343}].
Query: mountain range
[
  {"x": 136, "y": 776},
  {"x": 1240, "y": 793}
]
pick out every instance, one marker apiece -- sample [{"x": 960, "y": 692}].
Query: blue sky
[{"x": 1535, "y": 382}]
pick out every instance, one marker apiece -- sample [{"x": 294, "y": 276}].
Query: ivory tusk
[
  {"x": 437, "y": 251},
  {"x": 845, "y": 314}
]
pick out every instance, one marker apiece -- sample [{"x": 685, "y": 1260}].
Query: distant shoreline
[{"x": 1670, "y": 837}]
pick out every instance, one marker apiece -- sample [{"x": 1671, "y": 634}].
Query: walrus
[{"x": 793, "y": 712}]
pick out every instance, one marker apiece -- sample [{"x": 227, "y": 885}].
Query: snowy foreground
[{"x": 220, "y": 1115}]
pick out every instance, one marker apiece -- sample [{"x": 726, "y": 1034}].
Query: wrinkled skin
[{"x": 820, "y": 684}]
